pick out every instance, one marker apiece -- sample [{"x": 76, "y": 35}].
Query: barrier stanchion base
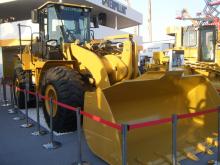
[
  {"x": 81, "y": 163},
  {"x": 11, "y": 111},
  {"x": 17, "y": 118},
  {"x": 213, "y": 162},
  {"x": 5, "y": 104},
  {"x": 26, "y": 125},
  {"x": 39, "y": 133},
  {"x": 52, "y": 145}
]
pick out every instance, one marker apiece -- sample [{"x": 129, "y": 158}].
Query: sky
[{"x": 164, "y": 13}]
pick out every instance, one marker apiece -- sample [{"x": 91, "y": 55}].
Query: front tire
[{"x": 64, "y": 85}]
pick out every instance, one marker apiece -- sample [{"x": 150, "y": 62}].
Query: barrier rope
[
  {"x": 93, "y": 117},
  {"x": 195, "y": 114},
  {"x": 71, "y": 108},
  {"x": 119, "y": 126},
  {"x": 150, "y": 123},
  {"x": 32, "y": 93},
  {"x": 99, "y": 119},
  {"x": 167, "y": 120}
]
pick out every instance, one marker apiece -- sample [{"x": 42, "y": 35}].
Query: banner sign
[{"x": 115, "y": 6}]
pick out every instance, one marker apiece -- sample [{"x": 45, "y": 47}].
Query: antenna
[{"x": 149, "y": 21}]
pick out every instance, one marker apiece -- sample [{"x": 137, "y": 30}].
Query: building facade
[{"x": 112, "y": 15}]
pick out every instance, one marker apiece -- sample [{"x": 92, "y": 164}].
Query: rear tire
[{"x": 66, "y": 86}]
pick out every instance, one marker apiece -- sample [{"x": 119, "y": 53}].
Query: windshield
[
  {"x": 68, "y": 24},
  {"x": 189, "y": 38}
]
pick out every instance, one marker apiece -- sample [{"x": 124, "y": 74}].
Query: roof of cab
[{"x": 65, "y": 4}]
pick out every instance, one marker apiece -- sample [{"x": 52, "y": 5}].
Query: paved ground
[
  {"x": 19, "y": 147},
  {"x": 204, "y": 158}
]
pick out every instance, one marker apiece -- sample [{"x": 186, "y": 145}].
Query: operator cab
[
  {"x": 60, "y": 23},
  {"x": 203, "y": 39},
  {"x": 207, "y": 43}
]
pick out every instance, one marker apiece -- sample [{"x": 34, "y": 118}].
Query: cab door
[{"x": 207, "y": 42}]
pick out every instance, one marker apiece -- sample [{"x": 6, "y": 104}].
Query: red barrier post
[
  {"x": 79, "y": 131},
  {"x": 5, "y": 101},
  {"x": 51, "y": 144},
  {"x": 218, "y": 152},
  {"x": 1, "y": 89},
  {"x": 27, "y": 124},
  {"x": 174, "y": 143},
  {"x": 38, "y": 132},
  {"x": 12, "y": 110},
  {"x": 20, "y": 115},
  {"x": 124, "y": 131}
]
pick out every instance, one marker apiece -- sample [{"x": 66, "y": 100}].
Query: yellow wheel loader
[{"x": 101, "y": 77}]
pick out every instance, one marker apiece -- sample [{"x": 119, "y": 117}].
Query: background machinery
[
  {"x": 199, "y": 44},
  {"x": 66, "y": 64}
]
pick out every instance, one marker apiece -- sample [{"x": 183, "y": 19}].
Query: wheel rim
[{"x": 50, "y": 92}]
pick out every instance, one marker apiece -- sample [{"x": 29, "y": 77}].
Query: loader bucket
[{"x": 143, "y": 100}]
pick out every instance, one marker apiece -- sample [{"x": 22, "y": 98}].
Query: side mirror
[
  {"x": 34, "y": 16},
  {"x": 95, "y": 22}
]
